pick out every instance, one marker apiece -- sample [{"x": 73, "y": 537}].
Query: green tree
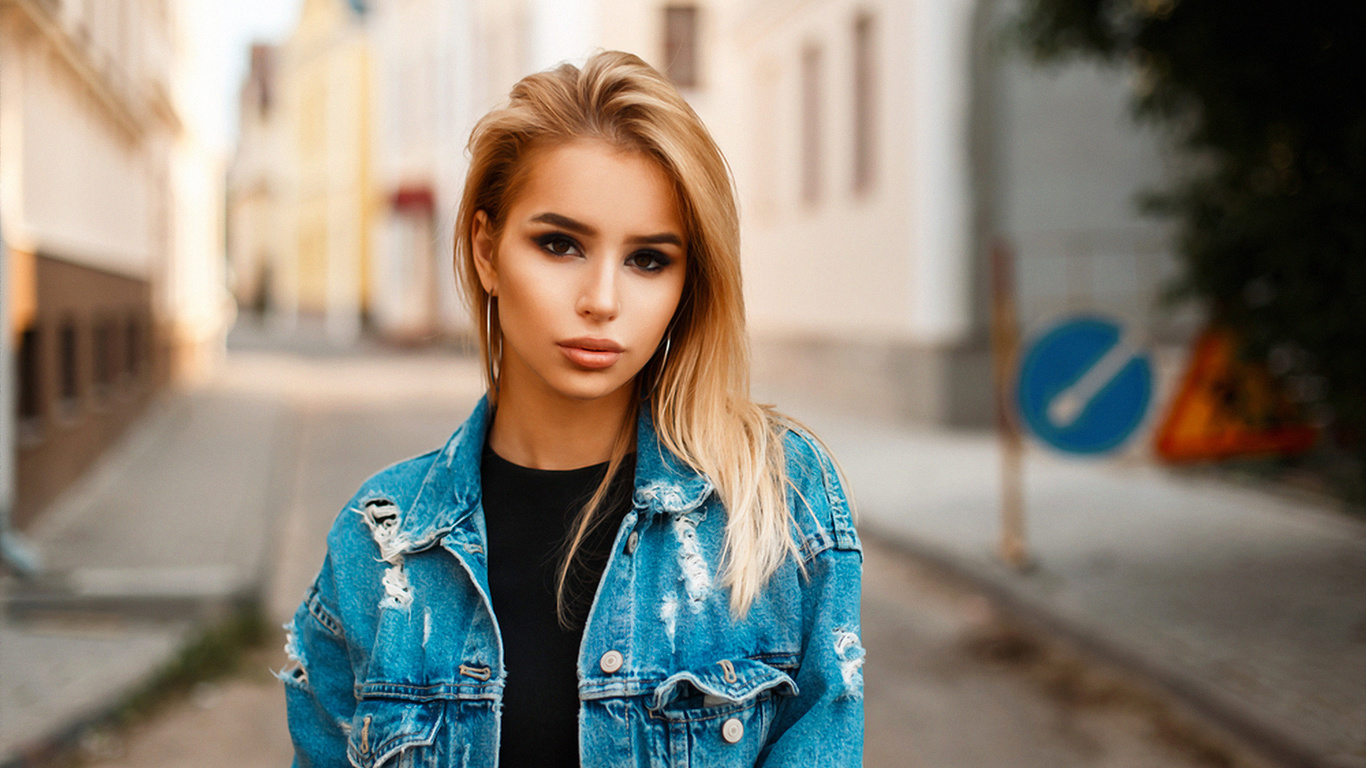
[{"x": 1269, "y": 99}]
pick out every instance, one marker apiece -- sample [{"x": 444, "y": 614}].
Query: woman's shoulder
[
  {"x": 399, "y": 482},
  {"x": 816, "y": 494},
  {"x": 406, "y": 505},
  {"x": 387, "y": 494}
]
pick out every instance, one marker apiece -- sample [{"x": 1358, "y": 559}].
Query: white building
[
  {"x": 887, "y": 145},
  {"x": 110, "y": 226},
  {"x": 257, "y": 243},
  {"x": 424, "y": 83}
]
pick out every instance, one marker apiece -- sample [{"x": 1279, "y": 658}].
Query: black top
[{"x": 529, "y": 513}]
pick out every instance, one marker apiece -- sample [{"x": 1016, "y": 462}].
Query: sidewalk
[
  {"x": 167, "y": 530},
  {"x": 1250, "y": 607}
]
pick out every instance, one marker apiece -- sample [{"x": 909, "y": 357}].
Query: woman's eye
[
  {"x": 558, "y": 245},
  {"x": 650, "y": 261}
]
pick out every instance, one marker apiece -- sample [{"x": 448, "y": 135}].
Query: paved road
[{"x": 948, "y": 682}]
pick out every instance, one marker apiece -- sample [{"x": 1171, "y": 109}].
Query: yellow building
[{"x": 327, "y": 200}]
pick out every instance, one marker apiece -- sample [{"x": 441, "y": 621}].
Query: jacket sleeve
[
  {"x": 319, "y": 696},
  {"x": 823, "y": 723}
]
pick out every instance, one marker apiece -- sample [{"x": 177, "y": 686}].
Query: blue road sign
[{"x": 1083, "y": 387}]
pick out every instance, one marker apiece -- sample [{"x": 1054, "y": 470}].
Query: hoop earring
[
  {"x": 488, "y": 340},
  {"x": 659, "y": 372}
]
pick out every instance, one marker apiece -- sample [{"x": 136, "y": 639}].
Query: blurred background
[{"x": 228, "y": 297}]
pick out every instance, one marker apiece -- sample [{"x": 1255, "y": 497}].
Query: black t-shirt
[{"x": 529, "y": 513}]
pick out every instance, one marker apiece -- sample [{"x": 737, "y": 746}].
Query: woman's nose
[{"x": 598, "y": 297}]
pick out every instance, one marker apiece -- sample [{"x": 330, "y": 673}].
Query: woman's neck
[{"x": 532, "y": 430}]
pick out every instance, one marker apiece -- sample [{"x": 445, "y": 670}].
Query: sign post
[
  {"x": 1083, "y": 387},
  {"x": 1005, "y": 342}
]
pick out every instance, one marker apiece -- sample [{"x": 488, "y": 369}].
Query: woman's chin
[{"x": 590, "y": 387}]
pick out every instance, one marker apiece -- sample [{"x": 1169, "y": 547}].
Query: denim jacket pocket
[
  {"x": 384, "y": 728},
  {"x": 720, "y": 714}
]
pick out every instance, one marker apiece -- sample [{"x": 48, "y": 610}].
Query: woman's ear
[{"x": 481, "y": 240}]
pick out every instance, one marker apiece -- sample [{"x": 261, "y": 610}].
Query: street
[{"x": 949, "y": 681}]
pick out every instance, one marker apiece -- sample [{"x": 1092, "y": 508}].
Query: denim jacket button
[
  {"x": 732, "y": 730},
  {"x": 631, "y": 542},
  {"x": 610, "y": 661}
]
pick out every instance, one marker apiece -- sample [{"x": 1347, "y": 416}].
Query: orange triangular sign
[{"x": 1227, "y": 407}]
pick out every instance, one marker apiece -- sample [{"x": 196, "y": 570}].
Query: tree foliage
[{"x": 1270, "y": 100}]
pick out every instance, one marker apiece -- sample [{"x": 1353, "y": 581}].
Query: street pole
[{"x": 1005, "y": 343}]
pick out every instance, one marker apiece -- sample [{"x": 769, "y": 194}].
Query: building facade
[
  {"x": 256, "y": 244},
  {"x": 881, "y": 148},
  {"x": 327, "y": 201},
  {"x": 423, "y": 65},
  {"x": 88, "y": 135}
]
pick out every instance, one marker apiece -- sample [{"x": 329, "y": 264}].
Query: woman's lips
[{"x": 594, "y": 354}]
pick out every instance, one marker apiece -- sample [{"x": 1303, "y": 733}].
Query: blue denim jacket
[{"x": 396, "y": 657}]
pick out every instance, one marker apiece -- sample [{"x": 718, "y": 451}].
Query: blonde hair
[{"x": 699, "y": 399}]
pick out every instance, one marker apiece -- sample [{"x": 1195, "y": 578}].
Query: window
[
  {"x": 865, "y": 116},
  {"x": 30, "y": 376},
  {"x": 811, "y": 123},
  {"x": 104, "y": 356},
  {"x": 681, "y": 63},
  {"x": 70, "y": 381},
  {"x": 132, "y": 347}
]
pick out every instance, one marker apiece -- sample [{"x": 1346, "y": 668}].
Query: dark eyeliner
[
  {"x": 656, "y": 260},
  {"x": 544, "y": 242}
]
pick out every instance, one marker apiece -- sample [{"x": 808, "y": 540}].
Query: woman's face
[{"x": 587, "y": 270}]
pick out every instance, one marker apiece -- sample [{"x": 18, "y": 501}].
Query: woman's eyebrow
[
  {"x": 564, "y": 222},
  {"x": 663, "y": 238},
  {"x": 578, "y": 227}
]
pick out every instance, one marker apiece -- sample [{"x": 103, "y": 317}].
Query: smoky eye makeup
[
  {"x": 649, "y": 260},
  {"x": 557, "y": 244}
]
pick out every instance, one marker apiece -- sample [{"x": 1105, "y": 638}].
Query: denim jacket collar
[
  {"x": 450, "y": 493},
  {"x": 665, "y": 484}
]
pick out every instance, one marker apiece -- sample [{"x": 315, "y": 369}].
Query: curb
[
  {"x": 1267, "y": 740},
  {"x": 65, "y": 740}
]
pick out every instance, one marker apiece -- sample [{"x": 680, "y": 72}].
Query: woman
[{"x": 619, "y": 559}]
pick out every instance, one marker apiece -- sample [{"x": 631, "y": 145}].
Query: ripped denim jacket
[{"x": 396, "y": 657}]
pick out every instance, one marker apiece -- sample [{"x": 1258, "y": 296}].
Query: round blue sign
[{"x": 1083, "y": 387}]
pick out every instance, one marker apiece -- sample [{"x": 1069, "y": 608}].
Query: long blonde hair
[{"x": 699, "y": 397}]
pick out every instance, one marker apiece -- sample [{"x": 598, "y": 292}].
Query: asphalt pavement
[{"x": 1248, "y": 607}]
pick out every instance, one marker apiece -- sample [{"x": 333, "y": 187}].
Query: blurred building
[
  {"x": 98, "y": 235},
  {"x": 257, "y": 243},
  {"x": 887, "y": 145},
  {"x": 314, "y": 239},
  {"x": 349, "y": 166},
  {"x": 423, "y": 65}
]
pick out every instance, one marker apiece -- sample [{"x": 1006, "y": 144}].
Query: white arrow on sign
[{"x": 1068, "y": 404}]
